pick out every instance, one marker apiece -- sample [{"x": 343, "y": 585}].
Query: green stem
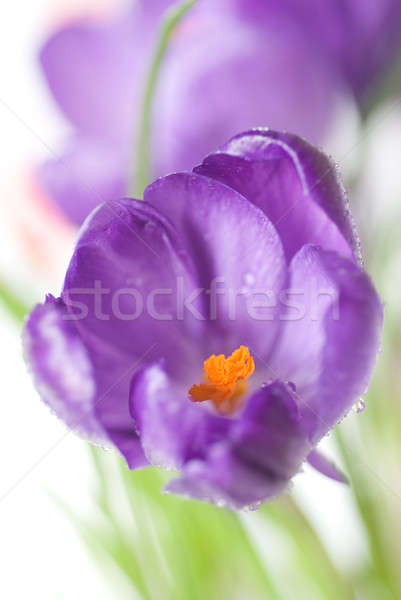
[
  {"x": 15, "y": 307},
  {"x": 170, "y": 22},
  {"x": 366, "y": 504}
]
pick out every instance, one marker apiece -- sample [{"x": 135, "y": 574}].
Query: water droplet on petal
[
  {"x": 249, "y": 279},
  {"x": 359, "y": 406}
]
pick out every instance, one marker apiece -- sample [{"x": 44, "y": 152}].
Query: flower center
[{"x": 225, "y": 380}]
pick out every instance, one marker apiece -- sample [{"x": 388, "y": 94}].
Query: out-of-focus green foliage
[
  {"x": 173, "y": 548},
  {"x": 371, "y": 443},
  {"x": 17, "y": 309}
]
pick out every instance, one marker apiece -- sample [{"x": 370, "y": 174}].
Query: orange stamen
[{"x": 225, "y": 380}]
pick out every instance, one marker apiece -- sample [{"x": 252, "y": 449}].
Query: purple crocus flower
[
  {"x": 96, "y": 75},
  {"x": 221, "y": 327},
  {"x": 293, "y": 61},
  {"x": 363, "y": 38}
]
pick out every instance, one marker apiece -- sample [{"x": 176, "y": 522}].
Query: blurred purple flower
[
  {"x": 266, "y": 214},
  {"x": 363, "y": 38},
  {"x": 225, "y": 72}
]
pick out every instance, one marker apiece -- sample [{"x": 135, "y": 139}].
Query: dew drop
[
  {"x": 252, "y": 507},
  {"x": 249, "y": 279},
  {"x": 359, "y": 406},
  {"x": 292, "y": 385}
]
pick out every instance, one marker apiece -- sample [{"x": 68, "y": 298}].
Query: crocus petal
[
  {"x": 370, "y": 41},
  {"x": 80, "y": 384},
  {"x": 172, "y": 429},
  {"x": 362, "y": 38},
  {"x": 265, "y": 448},
  {"x": 93, "y": 69},
  {"x": 237, "y": 253},
  {"x": 325, "y": 466},
  {"x": 88, "y": 173},
  {"x": 123, "y": 280},
  {"x": 330, "y": 338},
  {"x": 224, "y": 74},
  {"x": 295, "y": 184},
  {"x": 48, "y": 339}
]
